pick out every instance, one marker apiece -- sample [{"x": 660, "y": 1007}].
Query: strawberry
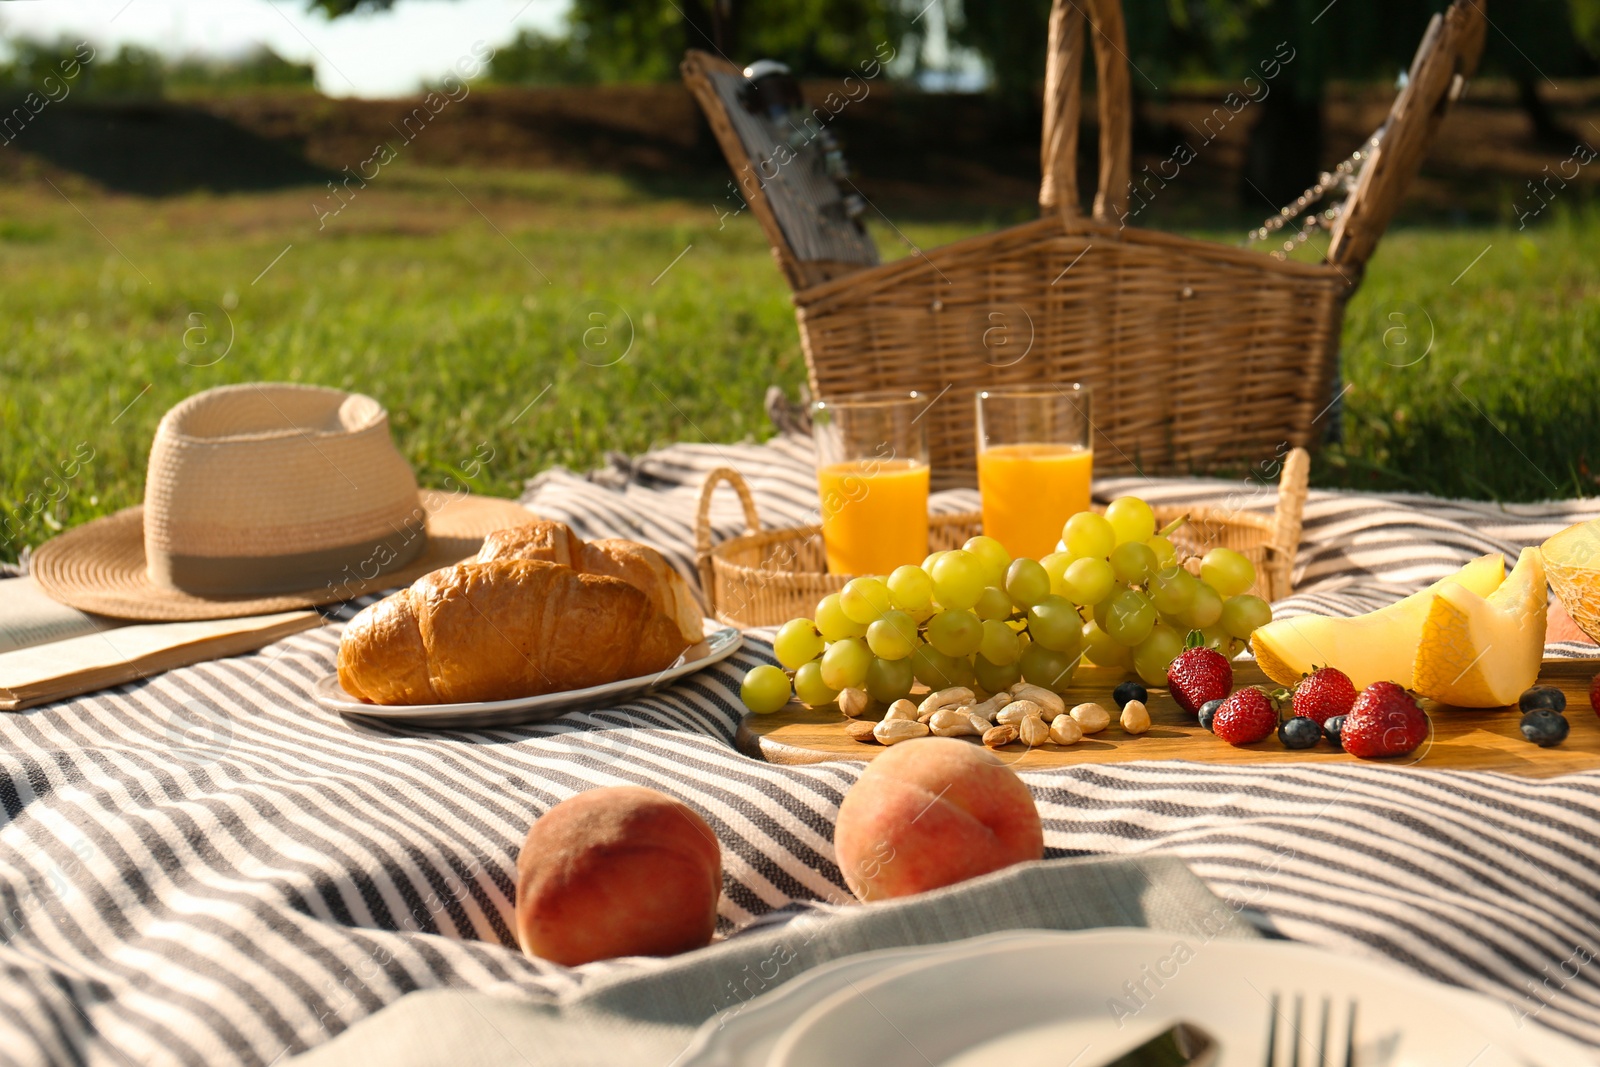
[
  {"x": 1199, "y": 675},
  {"x": 1246, "y": 717},
  {"x": 1594, "y": 694},
  {"x": 1385, "y": 721},
  {"x": 1324, "y": 693}
]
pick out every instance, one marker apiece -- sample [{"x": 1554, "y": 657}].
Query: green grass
[{"x": 473, "y": 338}]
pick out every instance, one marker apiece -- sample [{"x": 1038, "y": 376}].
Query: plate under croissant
[{"x": 719, "y": 643}]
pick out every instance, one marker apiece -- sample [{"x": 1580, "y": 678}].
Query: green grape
[
  {"x": 1133, "y": 561},
  {"x": 797, "y": 642},
  {"x": 1000, "y": 645},
  {"x": 1166, "y": 552},
  {"x": 955, "y": 633},
  {"x": 992, "y": 555},
  {"x": 1053, "y": 670},
  {"x": 1129, "y": 618},
  {"x": 1243, "y": 615},
  {"x": 1089, "y": 534},
  {"x": 1131, "y": 518},
  {"x": 993, "y": 604},
  {"x": 889, "y": 679},
  {"x": 930, "y": 559},
  {"x": 1102, "y": 650},
  {"x": 1204, "y": 610},
  {"x": 1055, "y": 566},
  {"x": 910, "y": 589},
  {"x": 1173, "y": 590},
  {"x": 765, "y": 689},
  {"x": 993, "y": 677},
  {"x": 844, "y": 665},
  {"x": 892, "y": 637},
  {"x": 1054, "y": 623},
  {"x": 833, "y": 623},
  {"x": 958, "y": 580},
  {"x": 1102, "y": 608},
  {"x": 936, "y": 670},
  {"x": 1027, "y": 582},
  {"x": 1215, "y": 637},
  {"x": 1226, "y": 571},
  {"x": 1155, "y": 653},
  {"x": 1089, "y": 580},
  {"x": 810, "y": 688},
  {"x": 864, "y": 599}
]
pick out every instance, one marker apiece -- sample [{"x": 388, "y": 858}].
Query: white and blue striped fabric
[{"x": 207, "y": 868}]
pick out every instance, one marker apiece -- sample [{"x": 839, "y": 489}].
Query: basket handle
[
  {"x": 1063, "y": 102},
  {"x": 702, "y": 521},
  {"x": 1446, "y": 58},
  {"x": 1289, "y": 517}
]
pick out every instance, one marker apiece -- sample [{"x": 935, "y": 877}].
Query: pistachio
[
  {"x": 853, "y": 702},
  {"x": 1013, "y": 713},
  {"x": 1064, "y": 730},
  {"x": 860, "y": 730},
  {"x": 1033, "y": 731},
  {"x": 953, "y": 722},
  {"x": 902, "y": 709},
  {"x": 1092, "y": 717},
  {"x": 996, "y": 736},
  {"x": 1050, "y": 702},
  {"x": 947, "y": 698},
  {"x": 1135, "y": 717},
  {"x": 894, "y": 731}
]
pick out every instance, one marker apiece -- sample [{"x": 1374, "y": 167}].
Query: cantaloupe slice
[
  {"x": 1380, "y": 646},
  {"x": 1482, "y": 652},
  {"x": 1572, "y": 563}
]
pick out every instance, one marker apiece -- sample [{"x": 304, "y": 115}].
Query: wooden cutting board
[{"x": 1463, "y": 739}]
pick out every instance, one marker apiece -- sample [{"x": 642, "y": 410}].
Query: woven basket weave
[
  {"x": 1202, "y": 356},
  {"x": 767, "y": 577}
]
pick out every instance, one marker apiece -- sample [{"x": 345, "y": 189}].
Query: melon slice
[
  {"x": 1380, "y": 646},
  {"x": 1572, "y": 563},
  {"x": 1482, "y": 652}
]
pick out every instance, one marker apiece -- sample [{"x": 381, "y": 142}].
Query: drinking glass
[
  {"x": 872, "y": 474},
  {"x": 1035, "y": 457}
]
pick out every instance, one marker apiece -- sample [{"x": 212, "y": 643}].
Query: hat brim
[{"x": 100, "y": 566}]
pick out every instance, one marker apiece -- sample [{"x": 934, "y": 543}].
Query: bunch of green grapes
[{"x": 1115, "y": 594}]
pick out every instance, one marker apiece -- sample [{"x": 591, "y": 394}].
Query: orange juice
[
  {"x": 874, "y": 515},
  {"x": 1029, "y": 492}
]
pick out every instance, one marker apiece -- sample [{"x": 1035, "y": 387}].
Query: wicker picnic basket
[
  {"x": 767, "y": 577},
  {"x": 1202, "y": 356}
]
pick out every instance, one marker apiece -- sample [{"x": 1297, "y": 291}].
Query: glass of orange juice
[
  {"x": 872, "y": 474},
  {"x": 1035, "y": 456}
]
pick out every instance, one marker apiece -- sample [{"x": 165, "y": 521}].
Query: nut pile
[{"x": 1025, "y": 713}]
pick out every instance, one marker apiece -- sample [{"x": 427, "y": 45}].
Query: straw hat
[{"x": 262, "y": 498}]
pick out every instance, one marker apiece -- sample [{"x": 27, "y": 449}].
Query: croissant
[
  {"x": 638, "y": 565},
  {"x": 504, "y": 629}
]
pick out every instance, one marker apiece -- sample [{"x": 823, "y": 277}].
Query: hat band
[{"x": 351, "y": 565}]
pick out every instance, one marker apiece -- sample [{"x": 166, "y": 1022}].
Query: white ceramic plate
[
  {"x": 720, "y": 642},
  {"x": 1021, "y": 999}
]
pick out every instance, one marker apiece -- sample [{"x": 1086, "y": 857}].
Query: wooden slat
[{"x": 1464, "y": 739}]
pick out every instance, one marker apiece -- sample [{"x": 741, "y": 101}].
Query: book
[{"x": 52, "y": 654}]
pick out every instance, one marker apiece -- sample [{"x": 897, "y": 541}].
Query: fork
[{"x": 1327, "y": 1056}]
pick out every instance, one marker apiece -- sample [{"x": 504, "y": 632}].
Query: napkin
[{"x": 646, "y": 1018}]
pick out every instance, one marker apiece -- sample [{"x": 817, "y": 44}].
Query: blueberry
[
  {"x": 1130, "y": 691},
  {"x": 1208, "y": 711},
  {"x": 1299, "y": 732},
  {"x": 1331, "y": 730},
  {"x": 1543, "y": 696},
  {"x": 1544, "y": 727}
]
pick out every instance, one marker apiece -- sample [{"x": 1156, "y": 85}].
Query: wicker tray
[
  {"x": 1203, "y": 356},
  {"x": 767, "y": 577}
]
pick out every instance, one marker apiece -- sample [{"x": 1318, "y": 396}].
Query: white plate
[
  {"x": 1019, "y": 999},
  {"x": 720, "y": 642}
]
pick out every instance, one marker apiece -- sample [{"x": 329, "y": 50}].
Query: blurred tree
[{"x": 133, "y": 73}]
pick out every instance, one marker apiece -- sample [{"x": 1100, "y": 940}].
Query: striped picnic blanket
[{"x": 207, "y": 868}]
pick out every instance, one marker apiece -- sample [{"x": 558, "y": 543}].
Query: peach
[
  {"x": 932, "y": 813},
  {"x": 619, "y": 871}
]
